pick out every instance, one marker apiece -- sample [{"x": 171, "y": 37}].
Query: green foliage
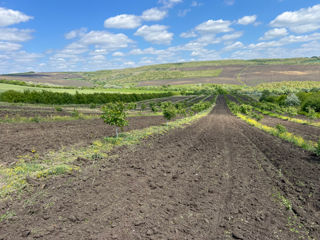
[
  {"x": 311, "y": 113},
  {"x": 143, "y": 107},
  {"x": 281, "y": 129},
  {"x": 245, "y": 109},
  {"x": 292, "y": 111},
  {"x": 58, "y": 109},
  {"x": 47, "y": 97},
  {"x": 310, "y": 100},
  {"x": 169, "y": 112},
  {"x": 201, "y": 106},
  {"x": 93, "y": 105},
  {"x": 132, "y": 106},
  {"x": 114, "y": 114},
  {"x": 318, "y": 148},
  {"x": 154, "y": 108},
  {"x": 292, "y": 100}
]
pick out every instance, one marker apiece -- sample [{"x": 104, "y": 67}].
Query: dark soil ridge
[
  {"x": 20, "y": 139},
  {"x": 215, "y": 179}
]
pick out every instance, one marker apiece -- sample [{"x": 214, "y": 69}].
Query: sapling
[
  {"x": 114, "y": 114},
  {"x": 169, "y": 113}
]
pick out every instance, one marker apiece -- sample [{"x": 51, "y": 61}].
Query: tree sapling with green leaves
[
  {"x": 169, "y": 112},
  {"x": 114, "y": 114}
]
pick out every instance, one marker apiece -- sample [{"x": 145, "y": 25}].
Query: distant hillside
[{"x": 239, "y": 72}]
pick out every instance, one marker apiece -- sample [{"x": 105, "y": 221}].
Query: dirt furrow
[{"x": 210, "y": 180}]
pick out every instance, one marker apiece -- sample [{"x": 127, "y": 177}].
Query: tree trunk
[{"x": 117, "y": 132}]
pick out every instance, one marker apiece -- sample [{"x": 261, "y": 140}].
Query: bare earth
[{"x": 218, "y": 178}]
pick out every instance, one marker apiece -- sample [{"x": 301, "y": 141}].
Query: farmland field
[
  {"x": 238, "y": 159},
  {"x": 206, "y": 178}
]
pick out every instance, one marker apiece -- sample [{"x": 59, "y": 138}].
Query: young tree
[
  {"x": 114, "y": 114},
  {"x": 143, "y": 107},
  {"x": 169, "y": 113}
]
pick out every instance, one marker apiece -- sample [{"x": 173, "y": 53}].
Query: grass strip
[
  {"x": 290, "y": 137},
  {"x": 38, "y": 119},
  {"x": 13, "y": 179}
]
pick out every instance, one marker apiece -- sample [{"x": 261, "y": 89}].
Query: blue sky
[{"x": 81, "y": 35}]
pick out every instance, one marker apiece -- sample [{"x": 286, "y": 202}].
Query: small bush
[
  {"x": 318, "y": 148},
  {"x": 169, "y": 112},
  {"x": 245, "y": 109},
  {"x": 281, "y": 129},
  {"x": 93, "y": 105},
  {"x": 58, "y": 109},
  {"x": 292, "y": 100}
]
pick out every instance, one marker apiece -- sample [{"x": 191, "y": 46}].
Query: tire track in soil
[{"x": 205, "y": 181}]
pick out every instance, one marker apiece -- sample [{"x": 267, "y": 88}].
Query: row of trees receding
[{"x": 47, "y": 97}]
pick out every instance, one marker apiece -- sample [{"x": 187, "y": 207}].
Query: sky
[{"x": 82, "y": 35}]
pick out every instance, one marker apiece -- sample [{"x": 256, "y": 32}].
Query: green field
[{"x": 5, "y": 87}]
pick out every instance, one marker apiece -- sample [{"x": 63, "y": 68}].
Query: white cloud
[
  {"x": 232, "y": 36},
  {"x": 301, "y": 21},
  {"x": 105, "y": 40},
  {"x": 125, "y": 21},
  {"x": 9, "y": 17},
  {"x": 169, "y": 3},
  {"x": 153, "y": 14},
  {"x": 118, "y": 54},
  {"x": 148, "y": 51},
  {"x": 76, "y": 33},
  {"x": 214, "y": 26},
  {"x": 8, "y": 47},
  {"x": 196, "y": 4},
  {"x": 274, "y": 33},
  {"x": 156, "y": 34},
  {"x": 233, "y": 46},
  {"x": 247, "y": 20},
  {"x": 15, "y": 34},
  {"x": 190, "y": 34}
]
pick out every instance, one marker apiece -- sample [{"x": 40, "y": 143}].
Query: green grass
[{"x": 5, "y": 87}]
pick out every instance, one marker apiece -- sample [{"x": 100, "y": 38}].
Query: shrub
[
  {"x": 281, "y": 129},
  {"x": 318, "y": 148},
  {"x": 169, "y": 112},
  {"x": 58, "y": 109},
  {"x": 292, "y": 100},
  {"x": 245, "y": 109},
  {"x": 93, "y": 105},
  {"x": 114, "y": 114},
  {"x": 142, "y": 107}
]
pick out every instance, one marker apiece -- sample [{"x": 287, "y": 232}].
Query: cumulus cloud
[
  {"x": 124, "y": 21},
  {"x": 301, "y": 21},
  {"x": 8, "y": 47},
  {"x": 274, "y": 33},
  {"x": 15, "y": 34},
  {"x": 118, "y": 54},
  {"x": 105, "y": 39},
  {"x": 233, "y": 46},
  {"x": 246, "y": 20},
  {"x": 214, "y": 26},
  {"x": 9, "y": 17},
  {"x": 190, "y": 34},
  {"x": 75, "y": 33},
  {"x": 153, "y": 14},
  {"x": 156, "y": 34},
  {"x": 232, "y": 36}
]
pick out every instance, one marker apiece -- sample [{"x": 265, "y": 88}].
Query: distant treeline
[{"x": 46, "y": 97}]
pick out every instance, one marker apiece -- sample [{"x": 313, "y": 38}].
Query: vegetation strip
[
  {"x": 283, "y": 134},
  {"x": 16, "y": 178},
  {"x": 56, "y": 118}
]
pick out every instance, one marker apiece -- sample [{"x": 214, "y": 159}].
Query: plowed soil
[
  {"x": 21, "y": 139},
  {"x": 218, "y": 178},
  {"x": 306, "y": 131}
]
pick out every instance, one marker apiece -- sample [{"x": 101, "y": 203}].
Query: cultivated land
[
  {"x": 246, "y": 168},
  {"x": 236, "y": 72},
  {"x": 218, "y": 178}
]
